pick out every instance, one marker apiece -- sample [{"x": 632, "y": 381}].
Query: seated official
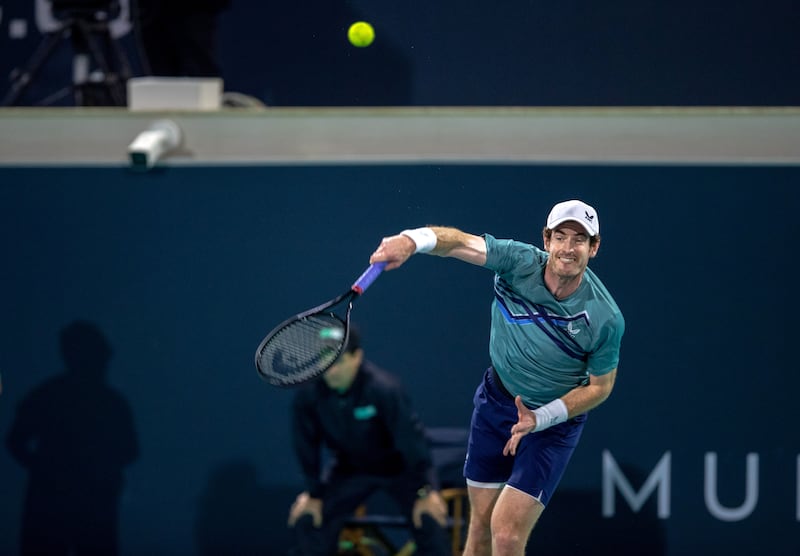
[{"x": 364, "y": 418}]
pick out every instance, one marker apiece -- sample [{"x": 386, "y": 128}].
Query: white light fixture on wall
[{"x": 151, "y": 145}]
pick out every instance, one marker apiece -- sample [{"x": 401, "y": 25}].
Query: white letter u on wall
[{"x": 751, "y": 490}]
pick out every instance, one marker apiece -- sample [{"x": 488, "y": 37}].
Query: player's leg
[
  {"x": 486, "y": 468},
  {"x": 482, "y": 500},
  {"x": 539, "y": 464},
  {"x": 513, "y": 519}
]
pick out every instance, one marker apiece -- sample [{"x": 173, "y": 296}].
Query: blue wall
[{"x": 185, "y": 269}]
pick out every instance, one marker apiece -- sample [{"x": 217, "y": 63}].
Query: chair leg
[
  {"x": 407, "y": 549},
  {"x": 458, "y": 516}
]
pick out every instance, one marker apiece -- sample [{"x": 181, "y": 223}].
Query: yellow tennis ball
[{"x": 361, "y": 34}]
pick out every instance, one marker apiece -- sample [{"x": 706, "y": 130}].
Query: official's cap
[{"x": 577, "y": 211}]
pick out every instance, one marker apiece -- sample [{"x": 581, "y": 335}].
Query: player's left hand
[
  {"x": 434, "y": 505},
  {"x": 526, "y": 422}
]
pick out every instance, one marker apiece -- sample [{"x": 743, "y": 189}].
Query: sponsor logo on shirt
[{"x": 364, "y": 412}]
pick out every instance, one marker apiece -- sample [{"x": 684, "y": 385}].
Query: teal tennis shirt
[{"x": 542, "y": 347}]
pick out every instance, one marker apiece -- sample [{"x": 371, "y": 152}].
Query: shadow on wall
[
  {"x": 573, "y": 524},
  {"x": 302, "y": 58},
  {"x": 74, "y": 435},
  {"x": 238, "y": 515}
]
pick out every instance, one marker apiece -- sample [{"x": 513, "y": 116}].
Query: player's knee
[
  {"x": 480, "y": 535},
  {"x": 480, "y": 516},
  {"x": 507, "y": 541}
]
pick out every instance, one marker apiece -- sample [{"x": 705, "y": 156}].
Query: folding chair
[{"x": 367, "y": 533}]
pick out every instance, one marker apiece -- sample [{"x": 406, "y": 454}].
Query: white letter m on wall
[{"x": 613, "y": 479}]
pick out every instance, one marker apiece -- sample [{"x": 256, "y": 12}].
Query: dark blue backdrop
[
  {"x": 468, "y": 52},
  {"x": 185, "y": 269}
]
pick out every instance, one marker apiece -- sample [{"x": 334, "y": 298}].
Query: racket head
[{"x": 301, "y": 348}]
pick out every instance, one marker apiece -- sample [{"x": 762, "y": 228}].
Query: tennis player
[{"x": 554, "y": 347}]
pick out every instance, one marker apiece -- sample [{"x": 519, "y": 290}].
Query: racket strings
[{"x": 303, "y": 348}]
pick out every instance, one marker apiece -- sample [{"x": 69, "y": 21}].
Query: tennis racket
[{"x": 308, "y": 344}]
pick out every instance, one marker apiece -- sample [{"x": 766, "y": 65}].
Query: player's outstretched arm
[
  {"x": 436, "y": 240},
  {"x": 452, "y": 242}
]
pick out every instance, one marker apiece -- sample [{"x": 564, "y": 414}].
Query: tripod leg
[
  {"x": 113, "y": 81},
  {"x": 122, "y": 59},
  {"x": 21, "y": 79}
]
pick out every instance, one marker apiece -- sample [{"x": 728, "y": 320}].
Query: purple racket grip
[{"x": 368, "y": 277}]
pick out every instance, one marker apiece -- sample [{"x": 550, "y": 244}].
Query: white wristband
[
  {"x": 423, "y": 238},
  {"x": 550, "y": 414}
]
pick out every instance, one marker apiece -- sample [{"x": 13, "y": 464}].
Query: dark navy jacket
[{"x": 371, "y": 429}]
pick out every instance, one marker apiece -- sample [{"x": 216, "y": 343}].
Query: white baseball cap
[{"x": 577, "y": 211}]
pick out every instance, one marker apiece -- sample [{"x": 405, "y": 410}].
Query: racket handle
[{"x": 368, "y": 277}]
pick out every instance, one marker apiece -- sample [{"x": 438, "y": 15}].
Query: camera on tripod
[
  {"x": 100, "y": 65},
  {"x": 90, "y": 10}
]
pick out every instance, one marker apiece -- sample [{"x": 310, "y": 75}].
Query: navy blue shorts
[{"x": 541, "y": 457}]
